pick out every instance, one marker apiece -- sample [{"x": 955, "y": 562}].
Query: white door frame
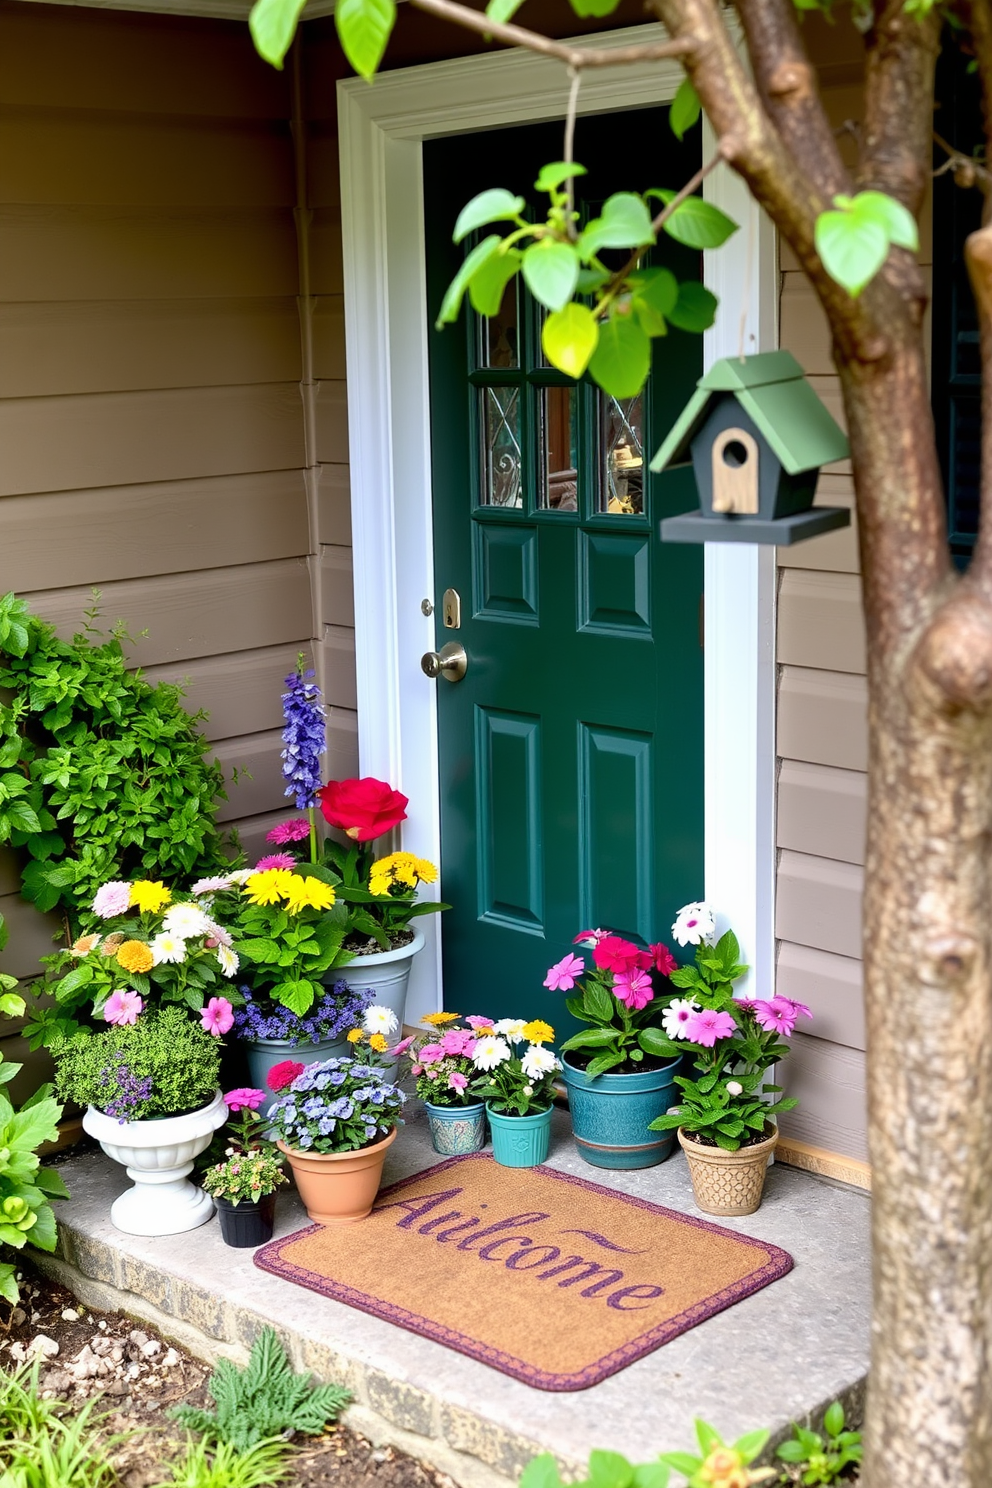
[{"x": 382, "y": 128}]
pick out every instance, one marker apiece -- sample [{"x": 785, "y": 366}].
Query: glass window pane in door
[
  {"x": 501, "y": 454},
  {"x": 559, "y": 449},
  {"x": 498, "y": 334},
  {"x": 621, "y": 455}
]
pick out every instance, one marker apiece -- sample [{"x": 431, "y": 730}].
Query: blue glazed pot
[
  {"x": 520, "y": 1141},
  {"x": 262, "y": 1054},
  {"x": 456, "y": 1130},
  {"x": 611, "y": 1114}
]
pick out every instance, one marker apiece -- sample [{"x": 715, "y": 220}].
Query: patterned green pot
[{"x": 456, "y": 1130}]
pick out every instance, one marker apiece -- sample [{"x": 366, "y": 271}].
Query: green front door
[{"x": 571, "y": 753}]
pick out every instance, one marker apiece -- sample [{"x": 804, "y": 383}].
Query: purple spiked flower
[{"x": 304, "y": 738}]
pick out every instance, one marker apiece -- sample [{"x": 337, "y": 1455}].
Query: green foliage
[
  {"x": 12, "y": 1005},
  {"x": 290, "y": 953},
  {"x": 225, "y": 1466},
  {"x": 364, "y": 27},
  {"x": 263, "y": 1400},
  {"x": 685, "y": 110},
  {"x": 165, "y": 1048},
  {"x": 26, "y": 1188},
  {"x": 716, "y": 1454},
  {"x": 616, "y": 1034},
  {"x": 42, "y": 1446},
  {"x": 273, "y": 25},
  {"x": 812, "y": 1458},
  {"x": 606, "y": 1470},
  {"x": 102, "y": 776},
  {"x": 853, "y": 241},
  {"x": 247, "y": 1176}
]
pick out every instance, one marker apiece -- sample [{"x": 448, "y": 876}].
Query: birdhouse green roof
[{"x": 772, "y": 389}]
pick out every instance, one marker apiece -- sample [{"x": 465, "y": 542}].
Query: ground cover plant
[{"x": 26, "y": 1188}]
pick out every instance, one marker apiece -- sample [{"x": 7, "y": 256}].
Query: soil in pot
[{"x": 364, "y": 945}]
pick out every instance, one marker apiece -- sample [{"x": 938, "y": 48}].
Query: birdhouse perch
[{"x": 757, "y": 437}]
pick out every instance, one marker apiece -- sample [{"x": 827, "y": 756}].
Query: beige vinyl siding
[{"x": 150, "y": 360}]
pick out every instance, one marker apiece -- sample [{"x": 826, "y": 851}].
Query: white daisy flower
[
  {"x": 677, "y": 1015},
  {"x": 379, "y": 1019},
  {"x": 490, "y": 1052},
  {"x": 538, "y": 1062},
  {"x": 228, "y": 960},
  {"x": 241, "y": 875},
  {"x": 212, "y": 885},
  {"x": 185, "y": 920},
  {"x": 694, "y": 923},
  {"x": 168, "y": 948},
  {"x": 511, "y": 1028}
]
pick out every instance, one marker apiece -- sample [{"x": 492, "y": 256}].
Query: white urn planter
[{"x": 158, "y": 1155}]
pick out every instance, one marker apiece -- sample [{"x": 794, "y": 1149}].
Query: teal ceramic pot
[
  {"x": 520, "y": 1141},
  {"x": 611, "y": 1115},
  {"x": 456, "y": 1130},
  {"x": 262, "y": 1054}
]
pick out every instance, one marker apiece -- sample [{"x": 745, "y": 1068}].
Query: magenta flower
[
  {"x": 561, "y": 976},
  {"x": 633, "y": 989},
  {"x": 779, "y": 1014},
  {"x": 615, "y": 954},
  {"x": 275, "y": 860},
  {"x": 590, "y": 937},
  {"x": 659, "y": 957},
  {"x": 457, "y": 1081},
  {"x": 283, "y": 1074},
  {"x": 122, "y": 1007},
  {"x": 706, "y": 1026},
  {"x": 402, "y": 1046},
  {"x": 217, "y": 1017},
  {"x": 458, "y": 1041},
  {"x": 431, "y": 1053},
  {"x": 243, "y": 1099},
  {"x": 799, "y": 1008},
  {"x": 293, "y": 830},
  {"x": 112, "y": 899},
  {"x": 478, "y": 1023}
]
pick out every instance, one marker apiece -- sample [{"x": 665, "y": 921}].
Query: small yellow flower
[
  {"x": 269, "y": 886},
  {"x": 438, "y": 1020},
  {"x": 307, "y": 893},
  {"x": 355, "y": 1036},
  {"x": 134, "y": 955},
  {"x": 426, "y": 871},
  {"x": 538, "y": 1032},
  {"x": 378, "y": 1042},
  {"x": 149, "y": 896}
]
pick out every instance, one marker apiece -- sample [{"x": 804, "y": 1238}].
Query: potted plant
[
  {"x": 515, "y": 1076},
  {"x": 272, "y": 1033},
  {"x": 441, "y": 1061},
  {"x": 725, "y": 1121},
  {"x": 149, "y": 1085},
  {"x": 335, "y": 1122},
  {"x": 243, "y": 1186},
  {"x": 620, "y": 1069}
]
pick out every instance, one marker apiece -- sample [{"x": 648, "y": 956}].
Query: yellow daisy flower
[
  {"x": 269, "y": 886},
  {"x": 355, "y": 1036},
  {"x": 134, "y": 955},
  {"x": 538, "y": 1032},
  {"x": 149, "y": 895},
  {"x": 438, "y": 1020},
  {"x": 379, "y": 883},
  {"x": 307, "y": 893},
  {"x": 379, "y": 1042},
  {"x": 426, "y": 871}
]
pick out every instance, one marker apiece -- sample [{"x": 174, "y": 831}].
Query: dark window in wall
[{"x": 956, "y": 371}]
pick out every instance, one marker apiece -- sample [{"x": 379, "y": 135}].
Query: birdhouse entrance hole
[{"x": 735, "y": 473}]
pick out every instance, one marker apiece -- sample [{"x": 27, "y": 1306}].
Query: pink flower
[
  {"x": 479, "y": 1023},
  {"x": 799, "y": 1008},
  {"x": 633, "y": 989},
  {"x": 122, "y": 1007},
  {"x": 590, "y": 937},
  {"x": 457, "y": 1081},
  {"x": 402, "y": 1046},
  {"x": 416, "y": 1069},
  {"x": 431, "y": 1053},
  {"x": 561, "y": 976},
  {"x": 458, "y": 1041},
  {"x": 706, "y": 1026},
  {"x": 615, "y": 954},
  {"x": 283, "y": 1074},
  {"x": 244, "y": 1099},
  {"x": 289, "y": 831},
  {"x": 658, "y": 957},
  {"x": 779, "y": 1014},
  {"x": 112, "y": 899},
  {"x": 275, "y": 860},
  {"x": 217, "y": 936},
  {"x": 217, "y": 1017}
]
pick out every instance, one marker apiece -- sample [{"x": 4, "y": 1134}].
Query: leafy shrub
[
  {"x": 25, "y": 1186},
  {"x": 263, "y": 1400},
  {"x": 11, "y": 1005},
  {"x": 162, "y": 1065},
  {"x": 720, "y": 1463},
  {"x": 225, "y": 1466},
  {"x": 811, "y": 1459},
  {"x": 102, "y": 776}
]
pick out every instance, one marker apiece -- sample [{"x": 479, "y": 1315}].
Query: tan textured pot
[
  {"x": 727, "y": 1182},
  {"x": 339, "y": 1187}
]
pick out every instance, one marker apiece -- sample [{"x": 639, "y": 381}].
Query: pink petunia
[
  {"x": 458, "y": 1041},
  {"x": 478, "y": 1023},
  {"x": 706, "y": 1026},
  {"x": 122, "y": 1008},
  {"x": 615, "y": 954},
  {"x": 590, "y": 937},
  {"x": 633, "y": 989},
  {"x": 293, "y": 830},
  {"x": 658, "y": 958},
  {"x": 217, "y": 1017},
  {"x": 431, "y": 1053},
  {"x": 402, "y": 1046},
  {"x": 245, "y": 1098},
  {"x": 283, "y": 1074},
  {"x": 457, "y": 1081},
  {"x": 416, "y": 1069},
  {"x": 561, "y": 976},
  {"x": 799, "y": 1008},
  {"x": 275, "y": 860},
  {"x": 112, "y": 899},
  {"x": 778, "y": 1015}
]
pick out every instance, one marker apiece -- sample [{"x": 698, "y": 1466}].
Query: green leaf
[
  {"x": 24, "y": 817},
  {"x": 791, "y": 1451},
  {"x": 853, "y": 242},
  {"x": 655, "y": 1041},
  {"x": 622, "y": 359},
  {"x": 488, "y": 283},
  {"x": 833, "y": 1421},
  {"x": 8, "y": 1286},
  {"x": 494, "y": 205},
  {"x": 651, "y": 1475},
  {"x": 550, "y": 177},
  {"x": 696, "y": 223},
  {"x": 695, "y": 308},
  {"x": 12, "y": 1005},
  {"x": 44, "y": 1234},
  {"x": 298, "y": 996},
  {"x": 707, "y": 1436},
  {"x": 594, "y": 7},
  {"x": 625, "y": 222},
  {"x": 503, "y": 10},
  {"x": 550, "y": 272},
  {"x": 609, "y": 1470},
  {"x": 898, "y": 220},
  {"x": 602, "y": 1063},
  {"x": 273, "y": 24},
  {"x": 752, "y": 1444},
  {"x": 685, "y": 109},
  {"x": 364, "y": 28},
  {"x": 452, "y": 303},
  {"x": 569, "y": 338},
  {"x": 590, "y": 1038},
  {"x": 682, "y": 1462},
  {"x": 597, "y": 1003},
  {"x": 541, "y": 1472},
  {"x": 50, "y": 1181}
]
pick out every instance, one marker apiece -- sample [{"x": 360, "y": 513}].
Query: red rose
[
  {"x": 615, "y": 954},
  {"x": 365, "y": 809},
  {"x": 281, "y": 1075}
]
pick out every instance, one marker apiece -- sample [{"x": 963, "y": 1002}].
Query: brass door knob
[{"x": 450, "y": 662}]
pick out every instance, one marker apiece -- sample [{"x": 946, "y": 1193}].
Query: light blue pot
[
  {"x": 456, "y": 1130},
  {"x": 262, "y": 1054},
  {"x": 611, "y": 1115},
  {"x": 520, "y": 1141}
]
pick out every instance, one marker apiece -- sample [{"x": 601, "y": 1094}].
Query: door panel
[{"x": 571, "y": 752}]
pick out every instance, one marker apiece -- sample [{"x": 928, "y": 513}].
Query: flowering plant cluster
[
  {"x": 163, "y": 1064},
  {"x": 620, "y": 997},
  {"x": 441, "y": 1058},
  {"x": 251, "y": 1167},
  {"x": 734, "y": 1041},
  {"x": 376, "y": 1024},
  {"x": 289, "y": 930},
  {"x": 337, "y": 1009},
  {"x": 338, "y": 1106},
  {"x": 515, "y": 1073}
]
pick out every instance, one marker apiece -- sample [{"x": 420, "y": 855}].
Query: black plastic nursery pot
[{"x": 247, "y": 1224}]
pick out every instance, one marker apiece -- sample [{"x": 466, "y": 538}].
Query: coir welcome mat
[{"x": 551, "y": 1279}]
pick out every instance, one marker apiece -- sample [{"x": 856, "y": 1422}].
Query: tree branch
[
  {"x": 901, "y": 52},
  {"x": 576, "y": 57}
]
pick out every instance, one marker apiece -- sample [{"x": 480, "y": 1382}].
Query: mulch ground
[{"x": 138, "y": 1376}]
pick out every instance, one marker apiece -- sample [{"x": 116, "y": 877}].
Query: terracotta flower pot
[
  {"x": 338, "y": 1187},
  {"x": 727, "y": 1182}
]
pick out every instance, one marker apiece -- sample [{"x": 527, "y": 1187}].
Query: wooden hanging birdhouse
[{"x": 757, "y": 436}]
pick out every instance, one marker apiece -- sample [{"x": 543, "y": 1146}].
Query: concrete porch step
[{"x": 781, "y": 1355}]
